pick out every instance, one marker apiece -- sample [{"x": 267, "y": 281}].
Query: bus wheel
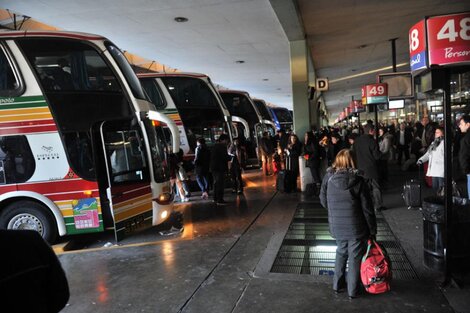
[{"x": 29, "y": 215}]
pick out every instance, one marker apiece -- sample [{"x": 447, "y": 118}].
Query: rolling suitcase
[
  {"x": 412, "y": 193},
  {"x": 281, "y": 181},
  {"x": 284, "y": 181}
]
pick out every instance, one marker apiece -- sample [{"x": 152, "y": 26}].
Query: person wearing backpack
[{"x": 351, "y": 218}]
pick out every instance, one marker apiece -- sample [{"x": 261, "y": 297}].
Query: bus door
[
  {"x": 128, "y": 186},
  {"x": 258, "y": 134}
]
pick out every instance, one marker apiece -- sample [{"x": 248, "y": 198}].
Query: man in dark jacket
[
  {"x": 31, "y": 277},
  {"x": 403, "y": 138},
  {"x": 367, "y": 156},
  {"x": 351, "y": 220},
  {"x": 282, "y": 139},
  {"x": 464, "y": 151},
  {"x": 427, "y": 135},
  {"x": 219, "y": 167}
]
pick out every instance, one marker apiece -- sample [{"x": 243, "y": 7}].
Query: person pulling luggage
[{"x": 351, "y": 218}]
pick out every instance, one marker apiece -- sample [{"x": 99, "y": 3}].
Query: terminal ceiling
[{"x": 345, "y": 38}]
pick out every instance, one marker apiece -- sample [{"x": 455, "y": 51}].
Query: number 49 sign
[{"x": 375, "y": 93}]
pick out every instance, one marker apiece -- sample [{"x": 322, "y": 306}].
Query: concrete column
[{"x": 299, "y": 74}]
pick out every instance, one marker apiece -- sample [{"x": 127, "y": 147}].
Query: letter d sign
[{"x": 321, "y": 84}]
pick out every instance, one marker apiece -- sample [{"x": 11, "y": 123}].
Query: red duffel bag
[{"x": 376, "y": 271}]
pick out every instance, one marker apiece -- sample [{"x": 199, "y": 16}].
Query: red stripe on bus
[
  {"x": 7, "y": 188},
  {"x": 58, "y": 186},
  {"x": 125, "y": 194},
  {"x": 26, "y": 123},
  {"x": 28, "y": 130}
]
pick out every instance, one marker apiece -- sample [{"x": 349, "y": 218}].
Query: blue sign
[{"x": 418, "y": 61}]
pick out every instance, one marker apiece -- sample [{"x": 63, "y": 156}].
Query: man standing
[
  {"x": 282, "y": 139},
  {"x": 427, "y": 136},
  {"x": 219, "y": 167},
  {"x": 267, "y": 150},
  {"x": 403, "y": 139},
  {"x": 367, "y": 155},
  {"x": 464, "y": 152}
]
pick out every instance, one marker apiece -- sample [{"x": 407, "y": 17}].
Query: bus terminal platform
[{"x": 265, "y": 251}]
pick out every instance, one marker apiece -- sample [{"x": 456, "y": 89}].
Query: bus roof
[
  {"x": 178, "y": 74},
  {"x": 47, "y": 33}
]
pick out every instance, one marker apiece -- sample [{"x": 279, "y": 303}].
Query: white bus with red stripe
[{"x": 78, "y": 150}]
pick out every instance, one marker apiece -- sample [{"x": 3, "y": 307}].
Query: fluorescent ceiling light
[{"x": 367, "y": 73}]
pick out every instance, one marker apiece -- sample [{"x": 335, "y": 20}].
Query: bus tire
[{"x": 29, "y": 215}]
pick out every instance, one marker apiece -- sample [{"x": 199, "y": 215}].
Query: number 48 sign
[{"x": 448, "y": 41}]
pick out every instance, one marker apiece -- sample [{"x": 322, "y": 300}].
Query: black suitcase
[
  {"x": 284, "y": 181},
  {"x": 412, "y": 194}
]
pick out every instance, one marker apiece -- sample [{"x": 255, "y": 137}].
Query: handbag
[{"x": 455, "y": 190}]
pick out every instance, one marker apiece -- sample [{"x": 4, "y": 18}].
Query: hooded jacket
[{"x": 350, "y": 211}]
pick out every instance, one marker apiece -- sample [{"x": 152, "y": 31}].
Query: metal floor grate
[{"x": 308, "y": 247}]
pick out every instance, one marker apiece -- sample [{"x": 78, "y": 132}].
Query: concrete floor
[{"x": 221, "y": 261}]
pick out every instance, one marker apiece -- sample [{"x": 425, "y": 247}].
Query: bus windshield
[
  {"x": 131, "y": 78},
  {"x": 198, "y": 108},
  {"x": 262, "y": 110},
  {"x": 283, "y": 115},
  {"x": 159, "y": 152},
  {"x": 240, "y": 105}
]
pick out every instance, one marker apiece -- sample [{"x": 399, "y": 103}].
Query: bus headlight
[
  {"x": 164, "y": 198},
  {"x": 164, "y": 214}
]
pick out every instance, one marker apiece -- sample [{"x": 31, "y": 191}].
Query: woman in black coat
[
  {"x": 293, "y": 151},
  {"x": 312, "y": 154},
  {"x": 351, "y": 218}
]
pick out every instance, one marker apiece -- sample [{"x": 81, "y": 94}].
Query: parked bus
[
  {"x": 78, "y": 151},
  {"x": 248, "y": 122},
  {"x": 282, "y": 118},
  {"x": 266, "y": 115},
  {"x": 193, "y": 103}
]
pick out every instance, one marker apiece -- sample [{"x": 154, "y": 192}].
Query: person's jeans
[
  {"x": 202, "y": 182},
  {"x": 354, "y": 251},
  {"x": 437, "y": 182}
]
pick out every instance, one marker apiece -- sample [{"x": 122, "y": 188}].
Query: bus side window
[
  {"x": 9, "y": 84},
  {"x": 17, "y": 163},
  {"x": 79, "y": 150}
]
